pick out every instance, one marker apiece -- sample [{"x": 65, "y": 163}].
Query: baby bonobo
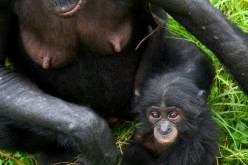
[{"x": 176, "y": 129}]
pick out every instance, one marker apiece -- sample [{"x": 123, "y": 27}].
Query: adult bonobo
[{"x": 76, "y": 64}]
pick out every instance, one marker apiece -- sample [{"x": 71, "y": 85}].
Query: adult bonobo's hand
[
  {"x": 94, "y": 139},
  {"x": 212, "y": 28}
]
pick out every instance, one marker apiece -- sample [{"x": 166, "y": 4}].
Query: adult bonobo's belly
[{"x": 104, "y": 83}]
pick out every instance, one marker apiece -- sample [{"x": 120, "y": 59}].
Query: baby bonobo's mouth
[{"x": 64, "y": 8}]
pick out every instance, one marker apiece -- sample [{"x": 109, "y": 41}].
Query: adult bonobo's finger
[{"x": 212, "y": 28}]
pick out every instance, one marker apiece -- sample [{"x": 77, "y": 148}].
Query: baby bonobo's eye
[
  {"x": 173, "y": 115},
  {"x": 155, "y": 115}
]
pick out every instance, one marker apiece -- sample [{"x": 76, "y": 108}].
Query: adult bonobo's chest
[
  {"x": 52, "y": 41},
  {"x": 88, "y": 58},
  {"x": 103, "y": 82}
]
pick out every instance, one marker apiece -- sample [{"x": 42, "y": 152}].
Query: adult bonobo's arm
[
  {"x": 23, "y": 102},
  {"x": 228, "y": 42}
]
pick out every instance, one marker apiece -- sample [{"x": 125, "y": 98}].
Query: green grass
[{"x": 228, "y": 103}]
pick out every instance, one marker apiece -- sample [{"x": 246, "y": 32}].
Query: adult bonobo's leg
[{"x": 210, "y": 26}]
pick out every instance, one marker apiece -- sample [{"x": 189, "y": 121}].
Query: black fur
[{"x": 57, "y": 107}]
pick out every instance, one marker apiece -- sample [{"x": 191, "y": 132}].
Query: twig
[{"x": 11, "y": 158}]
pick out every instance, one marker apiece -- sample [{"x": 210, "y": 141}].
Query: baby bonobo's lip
[{"x": 64, "y": 8}]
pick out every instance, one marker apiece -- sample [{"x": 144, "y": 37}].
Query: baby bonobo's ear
[{"x": 202, "y": 94}]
